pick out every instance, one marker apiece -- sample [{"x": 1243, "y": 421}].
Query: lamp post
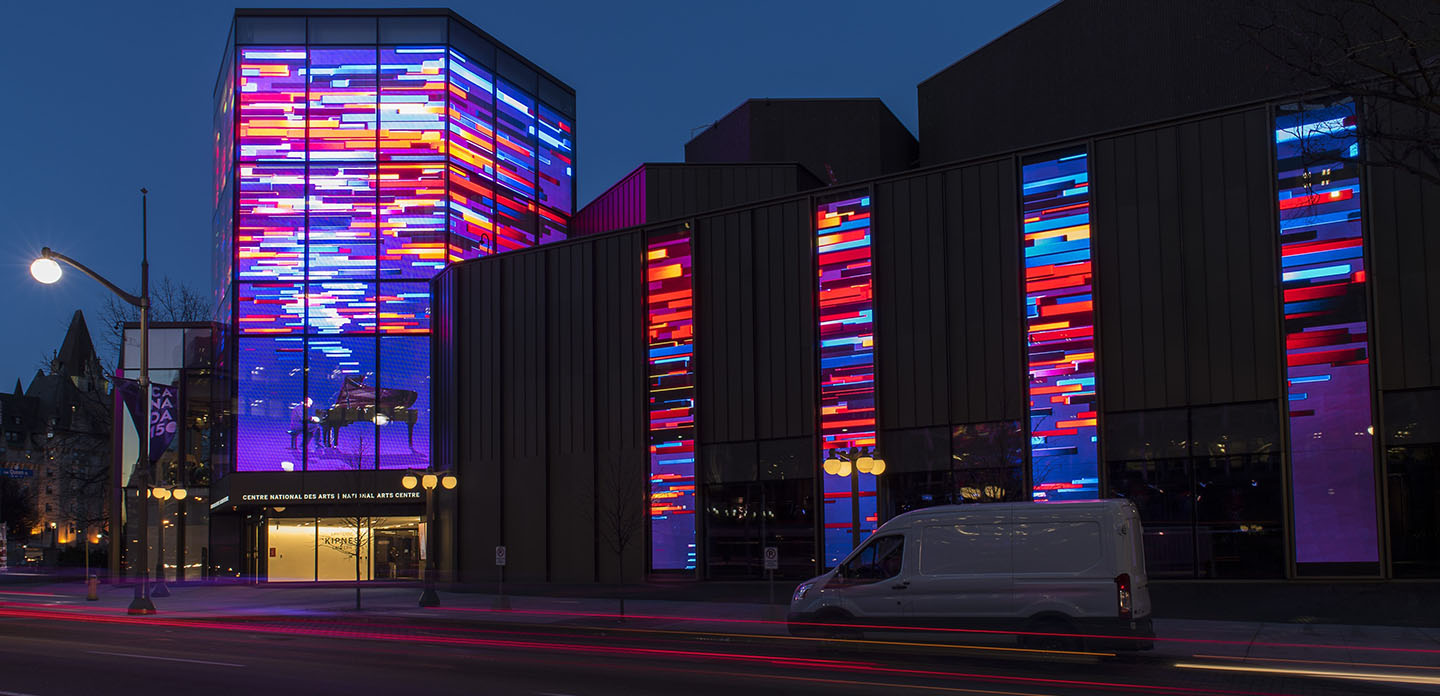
[
  {"x": 162, "y": 494},
  {"x": 46, "y": 269},
  {"x": 429, "y": 481},
  {"x": 855, "y": 460}
]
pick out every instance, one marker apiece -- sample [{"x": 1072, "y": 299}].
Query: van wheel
[{"x": 1043, "y": 634}]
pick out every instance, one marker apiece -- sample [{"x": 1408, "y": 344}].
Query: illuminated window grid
[
  {"x": 1322, "y": 273},
  {"x": 343, "y": 94},
  {"x": 412, "y": 103},
  {"x": 1060, "y": 327},
  {"x": 671, "y": 325},
  {"x": 270, "y": 230},
  {"x": 847, "y": 362}
]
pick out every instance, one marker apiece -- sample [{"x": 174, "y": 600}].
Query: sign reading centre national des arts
[{"x": 319, "y": 488}]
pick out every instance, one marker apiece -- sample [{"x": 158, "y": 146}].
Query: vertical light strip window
[
  {"x": 1060, "y": 326},
  {"x": 1327, "y": 371},
  {"x": 669, "y": 302}
]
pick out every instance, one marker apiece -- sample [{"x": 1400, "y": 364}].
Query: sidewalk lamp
[
  {"x": 856, "y": 460},
  {"x": 46, "y": 269},
  {"x": 429, "y": 481},
  {"x": 162, "y": 494}
]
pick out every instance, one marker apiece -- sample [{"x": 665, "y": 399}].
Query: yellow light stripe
[
  {"x": 1312, "y": 662},
  {"x": 1322, "y": 674}
]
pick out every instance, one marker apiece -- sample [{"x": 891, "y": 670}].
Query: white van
[{"x": 1048, "y": 571}]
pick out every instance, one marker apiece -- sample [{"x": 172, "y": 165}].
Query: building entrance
[{"x": 341, "y": 548}]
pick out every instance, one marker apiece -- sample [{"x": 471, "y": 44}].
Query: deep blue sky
[{"x": 98, "y": 99}]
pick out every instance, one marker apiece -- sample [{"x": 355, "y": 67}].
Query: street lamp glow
[
  {"x": 162, "y": 493},
  {"x": 429, "y": 481},
  {"x": 180, "y": 493},
  {"x": 449, "y": 482},
  {"x": 409, "y": 481},
  {"x": 45, "y": 270}
]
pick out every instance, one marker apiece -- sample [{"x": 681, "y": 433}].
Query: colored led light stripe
[
  {"x": 847, "y": 362},
  {"x": 1326, "y": 335},
  {"x": 671, "y": 327},
  {"x": 1060, "y": 327}
]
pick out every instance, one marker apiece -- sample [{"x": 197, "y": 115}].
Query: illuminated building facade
[{"x": 358, "y": 153}]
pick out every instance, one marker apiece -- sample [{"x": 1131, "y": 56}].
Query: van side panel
[{"x": 964, "y": 570}]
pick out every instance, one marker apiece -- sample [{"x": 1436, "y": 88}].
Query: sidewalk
[{"x": 1332, "y": 646}]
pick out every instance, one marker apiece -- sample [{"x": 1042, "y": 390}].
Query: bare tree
[
  {"x": 171, "y": 300},
  {"x": 620, "y": 510},
  {"x": 1383, "y": 53}
]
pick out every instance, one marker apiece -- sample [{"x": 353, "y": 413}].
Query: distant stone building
[{"x": 57, "y": 442}]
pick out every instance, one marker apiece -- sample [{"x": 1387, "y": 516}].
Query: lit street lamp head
[{"x": 45, "y": 270}]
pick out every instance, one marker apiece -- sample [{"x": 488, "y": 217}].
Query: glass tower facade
[{"x": 356, "y": 157}]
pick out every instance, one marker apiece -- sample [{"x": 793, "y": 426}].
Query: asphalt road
[{"x": 46, "y": 653}]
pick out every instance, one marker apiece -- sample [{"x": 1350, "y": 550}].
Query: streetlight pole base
[
  {"x": 158, "y": 588},
  {"x": 429, "y": 598},
  {"x": 141, "y": 606}
]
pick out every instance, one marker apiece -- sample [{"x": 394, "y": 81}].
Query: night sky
[{"x": 102, "y": 98}]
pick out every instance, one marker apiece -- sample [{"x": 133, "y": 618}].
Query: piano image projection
[{"x": 359, "y": 402}]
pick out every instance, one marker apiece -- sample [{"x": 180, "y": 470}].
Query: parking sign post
[
  {"x": 772, "y": 563},
  {"x": 501, "y": 602}
]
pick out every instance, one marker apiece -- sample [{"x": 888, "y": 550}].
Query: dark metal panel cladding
[
  {"x": 523, "y": 413},
  {"x": 911, "y": 341},
  {"x": 982, "y": 251},
  {"x": 1137, "y": 243},
  {"x": 621, "y": 412},
  {"x": 478, "y": 387},
  {"x": 570, "y": 432},
  {"x": 1404, "y": 212},
  {"x": 725, "y": 327},
  {"x": 784, "y": 349},
  {"x": 1264, "y": 350}
]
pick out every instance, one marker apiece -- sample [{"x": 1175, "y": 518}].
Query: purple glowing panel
[
  {"x": 341, "y": 383},
  {"x": 404, "y": 308},
  {"x": 1322, "y": 259},
  {"x": 402, "y": 403},
  {"x": 272, "y": 104},
  {"x": 556, "y": 174},
  {"x": 515, "y": 143},
  {"x": 472, "y": 160},
  {"x": 272, "y": 425},
  {"x": 341, "y": 308},
  {"x": 342, "y": 222},
  {"x": 412, "y": 103},
  {"x": 271, "y": 309},
  {"x": 341, "y": 125},
  {"x": 270, "y": 238}
]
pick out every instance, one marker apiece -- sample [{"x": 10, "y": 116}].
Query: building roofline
[
  {"x": 991, "y": 42},
  {"x": 395, "y": 12}
]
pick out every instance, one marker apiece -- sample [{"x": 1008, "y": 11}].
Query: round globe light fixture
[
  {"x": 180, "y": 493},
  {"x": 832, "y": 466},
  {"x": 845, "y": 468},
  {"x": 45, "y": 270},
  {"x": 449, "y": 482},
  {"x": 429, "y": 481},
  {"x": 864, "y": 463},
  {"x": 409, "y": 481},
  {"x": 878, "y": 467},
  {"x": 162, "y": 493}
]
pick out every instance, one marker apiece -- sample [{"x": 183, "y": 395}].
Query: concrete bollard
[{"x": 93, "y": 592}]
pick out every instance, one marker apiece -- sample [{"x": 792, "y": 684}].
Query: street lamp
[
  {"x": 429, "y": 481},
  {"x": 856, "y": 460},
  {"x": 162, "y": 494},
  {"x": 46, "y": 269}
]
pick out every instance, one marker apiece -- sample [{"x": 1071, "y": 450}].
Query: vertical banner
[
  {"x": 1327, "y": 372},
  {"x": 847, "y": 363},
  {"x": 1060, "y": 326},
  {"x": 670, "y": 324}
]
